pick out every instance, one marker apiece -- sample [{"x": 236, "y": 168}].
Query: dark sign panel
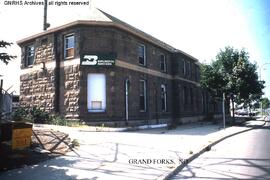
[{"x": 98, "y": 59}]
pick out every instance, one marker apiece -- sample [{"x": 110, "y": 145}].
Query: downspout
[{"x": 56, "y": 76}]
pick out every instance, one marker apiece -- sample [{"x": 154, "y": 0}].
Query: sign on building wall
[{"x": 98, "y": 59}]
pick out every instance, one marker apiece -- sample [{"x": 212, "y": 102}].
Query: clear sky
[{"x": 198, "y": 27}]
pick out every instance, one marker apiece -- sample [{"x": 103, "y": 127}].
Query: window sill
[
  {"x": 68, "y": 58},
  {"x": 96, "y": 110},
  {"x": 29, "y": 66}
]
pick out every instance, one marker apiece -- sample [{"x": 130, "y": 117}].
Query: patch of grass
[{"x": 75, "y": 143}]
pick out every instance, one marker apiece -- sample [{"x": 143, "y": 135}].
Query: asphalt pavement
[
  {"x": 144, "y": 154},
  {"x": 244, "y": 156}
]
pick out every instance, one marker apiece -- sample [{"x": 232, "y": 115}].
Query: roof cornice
[{"x": 137, "y": 33}]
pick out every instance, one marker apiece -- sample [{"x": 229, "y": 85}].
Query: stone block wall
[
  {"x": 37, "y": 89},
  {"x": 70, "y": 91}
]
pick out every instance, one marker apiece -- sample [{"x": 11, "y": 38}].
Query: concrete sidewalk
[{"x": 143, "y": 154}]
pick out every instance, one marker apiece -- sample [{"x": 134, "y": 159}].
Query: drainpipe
[
  {"x": 126, "y": 97},
  {"x": 56, "y": 76}
]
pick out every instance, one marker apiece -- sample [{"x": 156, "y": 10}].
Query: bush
[
  {"x": 39, "y": 116},
  {"x": 21, "y": 114},
  {"x": 34, "y": 114},
  {"x": 58, "y": 120}
]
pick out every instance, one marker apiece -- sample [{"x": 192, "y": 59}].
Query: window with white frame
[
  {"x": 163, "y": 67},
  {"x": 184, "y": 67},
  {"x": 141, "y": 53},
  {"x": 163, "y": 97},
  {"x": 191, "y": 96},
  {"x": 188, "y": 68},
  {"x": 29, "y": 55},
  {"x": 69, "y": 46},
  {"x": 96, "y": 92},
  {"x": 142, "y": 95}
]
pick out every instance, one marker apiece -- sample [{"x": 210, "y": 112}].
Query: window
[
  {"x": 191, "y": 96},
  {"x": 184, "y": 67},
  {"x": 30, "y": 54},
  {"x": 163, "y": 63},
  {"x": 96, "y": 92},
  {"x": 185, "y": 99},
  {"x": 197, "y": 73},
  {"x": 142, "y": 95},
  {"x": 163, "y": 97},
  {"x": 188, "y": 68},
  {"x": 69, "y": 46},
  {"x": 141, "y": 52}
]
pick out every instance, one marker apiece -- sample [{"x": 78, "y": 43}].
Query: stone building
[{"x": 103, "y": 70}]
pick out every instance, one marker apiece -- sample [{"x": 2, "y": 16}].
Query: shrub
[
  {"x": 39, "y": 116},
  {"x": 21, "y": 114},
  {"x": 75, "y": 143},
  {"x": 34, "y": 114},
  {"x": 58, "y": 120}
]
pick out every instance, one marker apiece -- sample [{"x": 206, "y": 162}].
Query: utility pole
[
  {"x": 261, "y": 80},
  {"x": 223, "y": 110},
  {"x": 45, "y": 24},
  {"x": 1, "y": 98}
]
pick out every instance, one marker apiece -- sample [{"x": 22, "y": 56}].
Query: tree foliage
[
  {"x": 232, "y": 73},
  {"x": 265, "y": 103},
  {"x": 4, "y": 57}
]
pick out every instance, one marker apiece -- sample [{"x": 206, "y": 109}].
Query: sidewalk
[{"x": 143, "y": 154}]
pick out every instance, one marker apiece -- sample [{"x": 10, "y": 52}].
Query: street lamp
[{"x": 261, "y": 80}]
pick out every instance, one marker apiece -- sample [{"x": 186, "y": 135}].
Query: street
[
  {"x": 244, "y": 156},
  {"x": 120, "y": 155}
]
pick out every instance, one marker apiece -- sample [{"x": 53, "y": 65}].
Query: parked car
[
  {"x": 242, "y": 112},
  {"x": 245, "y": 112}
]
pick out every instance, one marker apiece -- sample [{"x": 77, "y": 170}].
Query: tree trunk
[{"x": 232, "y": 98}]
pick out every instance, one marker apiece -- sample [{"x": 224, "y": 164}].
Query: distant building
[{"x": 103, "y": 70}]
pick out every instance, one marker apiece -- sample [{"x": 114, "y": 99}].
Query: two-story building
[{"x": 103, "y": 70}]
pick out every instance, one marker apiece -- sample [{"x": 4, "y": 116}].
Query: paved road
[{"x": 244, "y": 156}]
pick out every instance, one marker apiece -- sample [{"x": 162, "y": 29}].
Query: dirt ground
[{"x": 45, "y": 144}]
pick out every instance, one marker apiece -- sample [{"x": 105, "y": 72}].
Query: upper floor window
[
  {"x": 163, "y": 63},
  {"x": 163, "y": 97},
  {"x": 30, "y": 55},
  {"x": 141, "y": 52},
  {"x": 184, "y": 67},
  {"x": 69, "y": 46},
  {"x": 197, "y": 73},
  {"x": 142, "y": 95},
  {"x": 188, "y": 69}
]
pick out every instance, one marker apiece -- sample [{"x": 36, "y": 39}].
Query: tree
[
  {"x": 4, "y": 57},
  {"x": 232, "y": 73},
  {"x": 265, "y": 103}
]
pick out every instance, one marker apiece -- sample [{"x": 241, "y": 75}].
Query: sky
[{"x": 198, "y": 27}]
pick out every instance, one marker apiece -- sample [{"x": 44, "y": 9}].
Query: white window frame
[
  {"x": 144, "y": 94},
  {"x": 100, "y": 97},
  {"x": 189, "y": 68},
  {"x": 27, "y": 48},
  {"x": 164, "y": 93},
  {"x": 184, "y": 67},
  {"x": 144, "y": 54},
  {"x": 66, "y": 49},
  {"x": 163, "y": 61}
]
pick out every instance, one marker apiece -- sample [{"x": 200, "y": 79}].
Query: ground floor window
[
  {"x": 96, "y": 92},
  {"x": 142, "y": 95},
  {"x": 163, "y": 97}
]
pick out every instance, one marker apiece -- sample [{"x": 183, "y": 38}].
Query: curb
[{"x": 207, "y": 148}]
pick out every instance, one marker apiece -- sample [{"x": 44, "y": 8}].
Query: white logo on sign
[{"x": 90, "y": 60}]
